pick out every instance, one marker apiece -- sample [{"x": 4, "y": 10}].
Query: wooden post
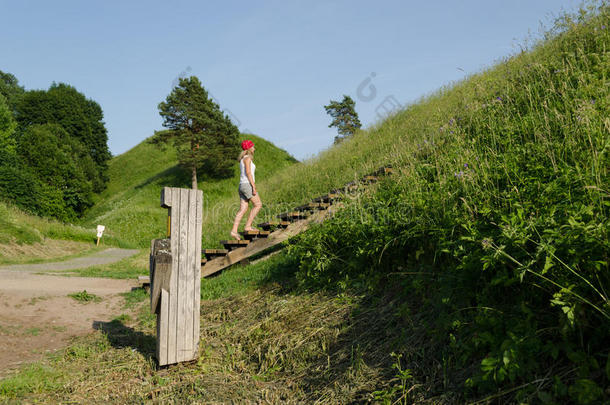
[{"x": 175, "y": 269}]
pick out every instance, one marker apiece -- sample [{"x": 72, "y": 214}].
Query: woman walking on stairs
[{"x": 247, "y": 189}]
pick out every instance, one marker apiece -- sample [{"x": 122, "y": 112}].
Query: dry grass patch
[{"x": 268, "y": 345}]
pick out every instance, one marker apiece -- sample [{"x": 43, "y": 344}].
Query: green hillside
[
  {"x": 477, "y": 273},
  {"x": 130, "y": 208}
]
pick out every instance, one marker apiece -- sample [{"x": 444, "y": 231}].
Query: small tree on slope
[
  {"x": 202, "y": 134},
  {"x": 344, "y": 117}
]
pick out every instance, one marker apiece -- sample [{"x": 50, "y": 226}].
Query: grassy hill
[
  {"x": 478, "y": 273},
  {"x": 129, "y": 207}
]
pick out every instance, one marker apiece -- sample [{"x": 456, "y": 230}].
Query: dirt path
[
  {"x": 104, "y": 257},
  {"x": 36, "y": 314}
]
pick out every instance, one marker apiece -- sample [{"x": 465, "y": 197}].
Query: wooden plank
[
  {"x": 326, "y": 198},
  {"x": 213, "y": 253},
  {"x": 253, "y": 235},
  {"x": 273, "y": 224},
  {"x": 172, "y": 293},
  {"x": 312, "y": 206},
  {"x": 144, "y": 280},
  {"x": 162, "y": 274},
  {"x": 166, "y": 197},
  {"x": 234, "y": 244},
  {"x": 190, "y": 267},
  {"x": 163, "y": 329},
  {"x": 277, "y": 237},
  {"x": 292, "y": 216},
  {"x": 197, "y": 275}
]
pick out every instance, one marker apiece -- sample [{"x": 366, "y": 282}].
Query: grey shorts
[{"x": 245, "y": 191}]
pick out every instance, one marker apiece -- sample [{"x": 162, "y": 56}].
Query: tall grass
[{"x": 498, "y": 219}]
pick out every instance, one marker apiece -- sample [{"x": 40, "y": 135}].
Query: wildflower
[
  {"x": 466, "y": 165},
  {"x": 592, "y": 101},
  {"x": 499, "y": 98},
  {"x": 451, "y": 121},
  {"x": 603, "y": 27},
  {"x": 486, "y": 243},
  {"x": 458, "y": 175}
]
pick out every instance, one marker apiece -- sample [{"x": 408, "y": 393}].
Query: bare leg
[
  {"x": 243, "y": 207},
  {"x": 256, "y": 200}
]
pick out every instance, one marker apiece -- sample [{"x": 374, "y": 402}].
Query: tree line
[{"x": 53, "y": 149}]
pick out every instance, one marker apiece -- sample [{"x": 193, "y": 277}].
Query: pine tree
[
  {"x": 204, "y": 137},
  {"x": 344, "y": 117}
]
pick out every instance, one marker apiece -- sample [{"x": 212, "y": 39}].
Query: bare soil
[{"x": 37, "y": 316}]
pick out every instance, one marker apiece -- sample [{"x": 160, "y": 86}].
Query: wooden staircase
[
  {"x": 287, "y": 225},
  {"x": 272, "y": 233}
]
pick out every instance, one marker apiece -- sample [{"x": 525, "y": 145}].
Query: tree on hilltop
[
  {"x": 204, "y": 137},
  {"x": 344, "y": 117}
]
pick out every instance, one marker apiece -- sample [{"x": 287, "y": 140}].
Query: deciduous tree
[{"x": 80, "y": 117}]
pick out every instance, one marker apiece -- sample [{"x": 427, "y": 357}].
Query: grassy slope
[
  {"x": 129, "y": 207},
  {"x": 270, "y": 342},
  {"x": 26, "y": 238}
]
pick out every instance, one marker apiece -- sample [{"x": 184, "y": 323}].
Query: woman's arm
[{"x": 247, "y": 162}]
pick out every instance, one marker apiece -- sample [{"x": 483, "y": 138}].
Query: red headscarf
[{"x": 247, "y": 144}]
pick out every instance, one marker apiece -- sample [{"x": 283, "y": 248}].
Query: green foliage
[
  {"x": 10, "y": 89},
  {"x": 344, "y": 117},
  {"x": 204, "y": 137},
  {"x": 499, "y": 219},
  {"x": 80, "y": 117},
  {"x": 33, "y": 379},
  {"x": 61, "y": 164},
  {"x": 84, "y": 297},
  {"x": 7, "y": 127}
]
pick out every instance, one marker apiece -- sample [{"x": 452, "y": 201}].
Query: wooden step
[
  {"x": 234, "y": 243},
  {"x": 370, "y": 179},
  {"x": 144, "y": 281},
  {"x": 327, "y": 198},
  {"x": 292, "y": 216},
  {"x": 383, "y": 171},
  {"x": 203, "y": 260},
  {"x": 273, "y": 224},
  {"x": 312, "y": 206},
  {"x": 253, "y": 235},
  {"x": 212, "y": 253}
]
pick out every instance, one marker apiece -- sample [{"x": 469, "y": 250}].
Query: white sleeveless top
[{"x": 242, "y": 169}]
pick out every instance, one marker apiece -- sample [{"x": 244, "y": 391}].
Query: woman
[{"x": 247, "y": 189}]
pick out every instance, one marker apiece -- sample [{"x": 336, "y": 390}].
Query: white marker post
[{"x": 100, "y": 232}]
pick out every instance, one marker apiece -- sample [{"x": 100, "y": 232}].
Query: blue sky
[{"x": 271, "y": 65}]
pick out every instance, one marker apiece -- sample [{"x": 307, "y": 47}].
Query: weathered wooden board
[
  {"x": 175, "y": 275},
  {"x": 253, "y": 235},
  {"x": 326, "y": 198},
  {"x": 234, "y": 244},
  {"x": 273, "y": 224}
]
